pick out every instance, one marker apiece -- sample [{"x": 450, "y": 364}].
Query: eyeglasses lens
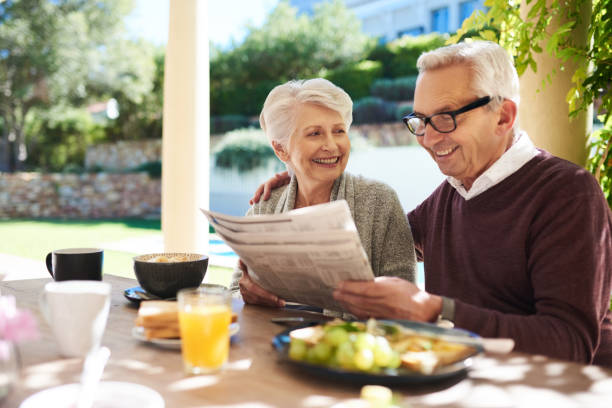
[
  {"x": 443, "y": 122},
  {"x": 416, "y": 126}
]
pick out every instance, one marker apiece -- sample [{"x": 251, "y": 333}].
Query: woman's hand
[
  {"x": 254, "y": 294},
  {"x": 388, "y": 297},
  {"x": 264, "y": 190}
]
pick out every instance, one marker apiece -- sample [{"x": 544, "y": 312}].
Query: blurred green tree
[
  {"x": 141, "y": 105},
  {"x": 63, "y": 51},
  {"x": 66, "y": 132},
  {"x": 287, "y": 46}
]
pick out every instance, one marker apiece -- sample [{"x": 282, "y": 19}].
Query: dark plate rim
[
  {"x": 127, "y": 293},
  {"x": 280, "y": 342}
]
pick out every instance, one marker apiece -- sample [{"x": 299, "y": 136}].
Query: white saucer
[
  {"x": 138, "y": 333},
  {"x": 109, "y": 394}
]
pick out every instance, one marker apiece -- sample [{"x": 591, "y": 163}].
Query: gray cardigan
[{"x": 378, "y": 215}]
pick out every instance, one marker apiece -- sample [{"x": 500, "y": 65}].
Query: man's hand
[
  {"x": 254, "y": 294},
  {"x": 388, "y": 297},
  {"x": 264, "y": 190}
]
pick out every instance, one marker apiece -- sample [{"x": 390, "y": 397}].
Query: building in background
[{"x": 391, "y": 19}]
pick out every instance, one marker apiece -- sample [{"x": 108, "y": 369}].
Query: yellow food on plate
[{"x": 377, "y": 396}]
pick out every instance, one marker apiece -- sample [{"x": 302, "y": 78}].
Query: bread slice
[
  {"x": 162, "y": 333},
  {"x": 159, "y": 318},
  {"x": 157, "y": 313}
]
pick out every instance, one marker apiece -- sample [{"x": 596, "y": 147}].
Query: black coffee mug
[{"x": 75, "y": 264}]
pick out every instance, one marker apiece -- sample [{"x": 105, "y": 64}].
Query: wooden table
[{"x": 255, "y": 378}]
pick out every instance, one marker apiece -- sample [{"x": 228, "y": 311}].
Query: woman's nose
[{"x": 329, "y": 143}]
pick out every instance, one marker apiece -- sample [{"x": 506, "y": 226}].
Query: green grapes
[
  {"x": 365, "y": 341},
  {"x": 396, "y": 360},
  {"x": 297, "y": 349},
  {"x": 345, "y": 355},
  {"x": 311, "y": 356},
  {"x": 336, "y": 336},
  {"x": 364, "y": 359},
  {"x": 348, "y": 347},
  {"x": 322, "y": 351},
  {"x": 382, "y": 352}
]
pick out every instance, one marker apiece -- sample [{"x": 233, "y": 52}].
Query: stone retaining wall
[
  {"x": 386, "y": 134},
  {"x": 123, "y": 154},
  {"x": 84, "y": 196}
]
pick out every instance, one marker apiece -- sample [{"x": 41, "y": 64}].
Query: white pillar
[
  {"x": 544, "y": 110},
  {"x": 185, "y": 146}
]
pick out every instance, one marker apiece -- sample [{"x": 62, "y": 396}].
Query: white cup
[{"x": 77, "y": 312}]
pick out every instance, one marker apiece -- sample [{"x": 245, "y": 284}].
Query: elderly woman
[{"x": 307, "y": 123}]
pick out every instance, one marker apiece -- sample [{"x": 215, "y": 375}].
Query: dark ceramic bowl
[{"x": 165, "y": 274}]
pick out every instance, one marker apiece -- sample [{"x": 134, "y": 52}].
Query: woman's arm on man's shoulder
[{"x": 265, "y": 189}]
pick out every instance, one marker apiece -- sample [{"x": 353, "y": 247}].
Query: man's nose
[{"x": 431, "y": 136}]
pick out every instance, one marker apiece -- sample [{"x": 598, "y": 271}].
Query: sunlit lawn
[{"x": 33, "y": 239}]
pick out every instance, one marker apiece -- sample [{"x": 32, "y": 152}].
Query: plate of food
[
  {"x": 174, "y": 343},
  {"x": 158, "y": 323},
  {"x": 378, "y": 351}
]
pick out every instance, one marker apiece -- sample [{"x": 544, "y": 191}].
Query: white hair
[
  {"x": 279, "y": 114},
  {"x": 493, "y": 71}
]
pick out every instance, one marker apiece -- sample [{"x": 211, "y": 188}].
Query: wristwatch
[{"x": 446, "y": 318}]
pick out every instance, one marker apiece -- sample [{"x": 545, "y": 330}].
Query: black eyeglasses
[{"x": 443, "y": 122}]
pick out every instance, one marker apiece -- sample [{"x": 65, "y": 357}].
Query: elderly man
[{"x": 516, "y": 243}]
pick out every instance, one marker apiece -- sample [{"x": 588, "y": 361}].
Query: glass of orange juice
[{"x": 204, "y": 317}]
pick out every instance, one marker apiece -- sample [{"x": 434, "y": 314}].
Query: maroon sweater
[{"x": 530, "y": 259}]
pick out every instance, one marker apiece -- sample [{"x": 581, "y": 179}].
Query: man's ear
[
  {"x": 280, "y": 151},
  {"x": 507, "y": 116}
]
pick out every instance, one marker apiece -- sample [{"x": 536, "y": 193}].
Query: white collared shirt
[{"x": 521, "y": 151}]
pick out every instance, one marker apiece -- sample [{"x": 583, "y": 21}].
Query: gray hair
[
  {"x": 279, "y": 114},
  {"x": 493, "y": 71}
]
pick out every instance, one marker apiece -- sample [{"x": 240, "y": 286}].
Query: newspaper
[{"x": 300, "y": 255}]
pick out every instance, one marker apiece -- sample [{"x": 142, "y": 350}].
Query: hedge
[
  {"x": 356, "y": 79},
  {"x": 397, "y": 89},
  {"x": 373, "y": 110}
]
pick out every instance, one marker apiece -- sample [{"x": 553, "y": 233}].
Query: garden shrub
[
  {"x": 239, "y": 99},
  {"x": 384, "y": 55},
  {"x": 243, "y": 149},
  {"x": 407, "y": 50},
  {"x": 226, "y": 123},
  {"x": 403, "y": 110},
  {"x": 153, "y": 168},
  {"x": 399, "y": 57},
  {"x": 356, "y": 79},
  {"x": 72, "y": 168},
  {"x": 373, "y": 110},
  {"x": 396, "y": 89},
  {"x": 58, "y": 138}
]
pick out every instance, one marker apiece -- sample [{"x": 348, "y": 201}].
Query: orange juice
[{"x": 204, "y": 336}]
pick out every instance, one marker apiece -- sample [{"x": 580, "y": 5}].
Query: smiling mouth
[
  {"x": 330, "y": 160},
  {"x": 445, "y": 152}
]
